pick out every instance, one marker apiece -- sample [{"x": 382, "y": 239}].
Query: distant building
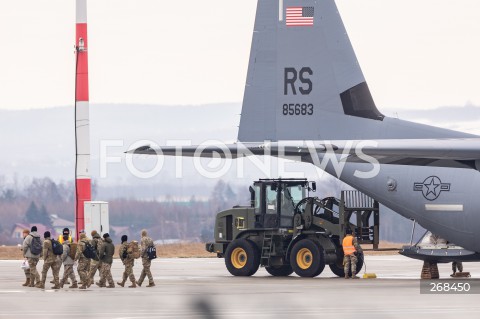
[{"x": 59, "y": 224}]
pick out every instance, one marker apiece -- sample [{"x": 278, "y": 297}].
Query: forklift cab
[
  {"x": 274, "y": 201},
  {"x": 329, "y": 211}
]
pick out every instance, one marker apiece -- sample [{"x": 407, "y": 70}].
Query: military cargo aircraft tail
[
  {"x": 304, "y": 81},
  {"x": 302, "y": 71}
]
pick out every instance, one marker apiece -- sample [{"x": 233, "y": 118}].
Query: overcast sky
[{"x": 414, "y": 53}]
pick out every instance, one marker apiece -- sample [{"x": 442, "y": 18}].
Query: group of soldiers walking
[{"x": 89, "y": 255}]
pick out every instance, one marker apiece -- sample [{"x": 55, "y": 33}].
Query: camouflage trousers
[
  {"x": 128, "y": 272},
  {"x": 457, "y": 265},
  {"x": 82, "y": 269},
  {"x": 94, "y": 265},
  {"x": 350, "y": 261},
  {"x": 27, "y": 273},
  {"x": 68, "y": 273},
  {"x": 106, "y": 275},
  {"x": 146, "y": 271},
  {"x": 34, "y": 275},
  {"x": 56, "y": 265}
]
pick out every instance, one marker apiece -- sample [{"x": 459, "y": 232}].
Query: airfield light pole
[{"x": 82, "y": 122}]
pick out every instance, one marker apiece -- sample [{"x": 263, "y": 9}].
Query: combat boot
[
  {"x": 100, "y": 285},
  {"x": 111, "y": 286},
  {"x": 139, "y": 284},
  {"x": 354, "y": 276},
  {"x": 82, "y": 287},
  {"x": 133, "y": 285},
  {"x": 152, "y": 284},
  {"x": 121, "y": 284},
  {"x": 40, "y": 285},
  {"x": 27, "y": 283},
  {"x": 346, "y": 276},
  {"x": 56, "y": 287},
  {"x": 62, "y": 283},
  {"x": 32, "y": 283},
  {"x": 37, "y": 280},
  {"x": 74, "y": 285}
]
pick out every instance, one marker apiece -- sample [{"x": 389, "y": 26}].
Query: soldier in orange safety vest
[{"x": 351, "y": 250}]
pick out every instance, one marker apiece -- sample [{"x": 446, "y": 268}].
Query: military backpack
[
  {"x": 133, "y": 250},
  {"x": 56, "y": 247},
  {"x": 36, "y": 245},
  {"x": 73, "y": 250},
  {"x": 151, "y": 252},
  {"x": 90, "y": 251}
]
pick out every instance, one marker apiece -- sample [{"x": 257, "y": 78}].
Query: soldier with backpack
[
  {"x": 32, "y": 249},
  {"x": 127, "y": 256},
  {"x": 69, "y": 251},
  {"x": 25, "y": 263},
  {"x": 50, "y": 260},
  {"x": 95, "y": 262},
  {"x": 83, "y": 259},
  {"x": 106, "y": 253},
  {"x": 61, "y": 239},
  {"x": 146, "y": 242}
]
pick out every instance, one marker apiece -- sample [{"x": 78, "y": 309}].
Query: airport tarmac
[{"x": 202, "y": 288}]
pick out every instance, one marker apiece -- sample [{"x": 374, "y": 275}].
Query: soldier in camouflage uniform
[
  {"x": 67, "y": 264},
  {"x": 50, "y": 260},
  {"x": 26, "y": 270},
  {"x": 456, "y": 265},
  {"x": 351, "y": 251},
  {"x": 31, "y": 258},
  {"x": 146, "y": 262},
  {"x": 83, "y": 262},
  {"x": 106, "y": 256},
  {"x": 95, "y": 264},
  {"x": 128, "y": 262},
  {"x": 61, "y": 240}
]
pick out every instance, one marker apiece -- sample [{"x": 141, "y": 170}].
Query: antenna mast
[{"x": 82, "y": 122}]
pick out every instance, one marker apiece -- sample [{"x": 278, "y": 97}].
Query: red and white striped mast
[{"x": 82, "y": 123}]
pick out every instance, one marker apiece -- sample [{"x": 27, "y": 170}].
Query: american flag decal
[{"x": 299, "y": 16}]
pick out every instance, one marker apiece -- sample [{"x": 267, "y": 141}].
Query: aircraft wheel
[
  {"x": 307, "y": 258},
  {"x": 242, "y": 257},
  {"x": 337, "y": 268},
  {"x": 279, "y": 271}
]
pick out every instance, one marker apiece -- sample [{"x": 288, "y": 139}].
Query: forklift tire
[
  {"x": 307, "y": 258},
  {"x": 279, "y": 271},
  {"x": 242, "y": 257},
  {"x": 337, "y": 268}
]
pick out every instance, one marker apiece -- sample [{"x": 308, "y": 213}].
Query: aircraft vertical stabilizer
[{"x": 300, "y": 55}]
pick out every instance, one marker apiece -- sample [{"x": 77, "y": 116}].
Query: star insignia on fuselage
[{"x": 431, "y": 187}]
